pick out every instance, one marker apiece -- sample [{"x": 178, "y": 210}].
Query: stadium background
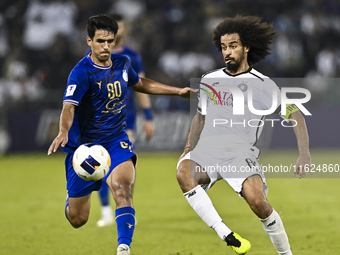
[{"x": 41, "y": 40}]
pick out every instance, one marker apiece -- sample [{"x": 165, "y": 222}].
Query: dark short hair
[
  {"x": 101, "y": 22},
  {"x": 253, "y": 33},
  {"x": 116, "y": 16}
]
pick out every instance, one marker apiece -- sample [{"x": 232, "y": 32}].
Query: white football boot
[
  {"x": 123, "y": 249},
  {"x": 107, "y": 217}
]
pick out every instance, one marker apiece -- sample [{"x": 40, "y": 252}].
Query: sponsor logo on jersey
[
  {"x": 213, "y": 90},
  {"x": 99, "y": 83}
]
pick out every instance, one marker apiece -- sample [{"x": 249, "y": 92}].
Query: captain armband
[{"x": 290, "y": 108}]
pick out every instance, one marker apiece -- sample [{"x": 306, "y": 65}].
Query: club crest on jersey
[
  {"x": 243, "y": 87},
  {"x": 125, "y": 76},
  {"x": 70, "y": 90}
]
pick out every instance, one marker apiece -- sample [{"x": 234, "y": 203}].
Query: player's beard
[
  {"x": 103, "y": 58},
  {"x": 234, "y": 66}
]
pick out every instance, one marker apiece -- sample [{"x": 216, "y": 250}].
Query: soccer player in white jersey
[{"x": 219, "y": 139}]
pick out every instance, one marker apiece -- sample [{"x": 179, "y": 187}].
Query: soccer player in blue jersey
[
  {"x": 131, "y": 110},
  {"x": 94, "y": 111}
]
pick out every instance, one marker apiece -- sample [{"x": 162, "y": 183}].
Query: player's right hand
[
  {"x": 303, "y": 164},
  {"x": 185, "y": 152},
  {"x": 62, "y": 139},
  {"x": 148, "y": 129},
  {"x": 188, "y": 92}
]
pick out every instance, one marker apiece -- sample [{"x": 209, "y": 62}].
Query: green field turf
[{"x": 33, "y": 192}]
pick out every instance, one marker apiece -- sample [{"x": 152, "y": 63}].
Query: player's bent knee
[
  {"x": 184, "y": 179},
  {"x": 78, "y": 221},
  {"x": 183, "y": 170},
  {"x": 180, "y": 175}
]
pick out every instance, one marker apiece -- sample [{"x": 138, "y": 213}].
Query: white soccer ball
[{"x": 91, "y": 162}]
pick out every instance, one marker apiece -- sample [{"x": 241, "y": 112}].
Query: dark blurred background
[{"x": 41, "y": 41}]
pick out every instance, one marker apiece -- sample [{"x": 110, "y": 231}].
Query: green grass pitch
[{"x": 32, "y": 200}]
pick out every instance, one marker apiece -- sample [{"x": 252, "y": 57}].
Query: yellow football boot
[{"x": 237, "y": 243}]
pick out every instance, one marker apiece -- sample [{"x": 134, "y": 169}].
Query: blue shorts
[{"x": 120, "y": 151}]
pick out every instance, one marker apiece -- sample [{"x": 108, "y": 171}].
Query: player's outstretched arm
[
  {"x": 194, "y": 134},
  {"x": 303, "y": 163},
  {"x": 148, "y": 86},
  {"x": 65, "y": 123},
  {"x": 145, "y": 104}
]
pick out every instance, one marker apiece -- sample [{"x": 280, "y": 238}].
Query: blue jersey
[
  {"x": 136, "y": 60},
  {"x": 137, "y": 65},
  {"x": 99, "y": 92}
]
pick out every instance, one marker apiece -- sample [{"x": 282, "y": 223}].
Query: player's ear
[
  {"x": 246, "y": 49},
  {"x": 89, "y": 41}
]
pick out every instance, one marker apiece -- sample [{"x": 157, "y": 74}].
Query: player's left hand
[
  {"x": 148, "y": 129},
  {"x": 185, "y": 152},
  {"x": 61, "y": 139},
  {"x": 188, "y": 92},
  {"x": 303, "y": 165}
]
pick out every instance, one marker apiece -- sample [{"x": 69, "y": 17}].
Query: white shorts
[{"x": 234, "y": 166}]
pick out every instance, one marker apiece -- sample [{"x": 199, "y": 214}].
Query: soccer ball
[{"x": 91, "y": 162}]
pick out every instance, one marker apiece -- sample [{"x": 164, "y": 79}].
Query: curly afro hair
[{"x": 253, "y": 33}]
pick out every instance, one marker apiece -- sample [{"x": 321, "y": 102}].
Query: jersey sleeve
[
  {"x": 133, "y": 77},
  {"x": 270, "y": 93},
  {"x": 202, "y": 99},
  {"x": 137, "y": 64},
  {"x": 268, "y": 100},
  {"x": 77, "y": 85}
]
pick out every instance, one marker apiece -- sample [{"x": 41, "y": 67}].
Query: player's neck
[
  {"x": 244, "y": 67},
  {"x": 98, "y": 62}
]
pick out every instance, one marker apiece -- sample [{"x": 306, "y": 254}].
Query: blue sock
[
  {"x": 104, "y": 194},
  {"x": 125, "y": 218}
]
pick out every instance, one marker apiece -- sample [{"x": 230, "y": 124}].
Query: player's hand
[
  {"x": 185, "y": 152},
  {"x": 62, "y": 139},
  {"x": 148, "y": 129},
  {"x": 303, "y": 165},
  {"x": 188, "y": 92}
]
